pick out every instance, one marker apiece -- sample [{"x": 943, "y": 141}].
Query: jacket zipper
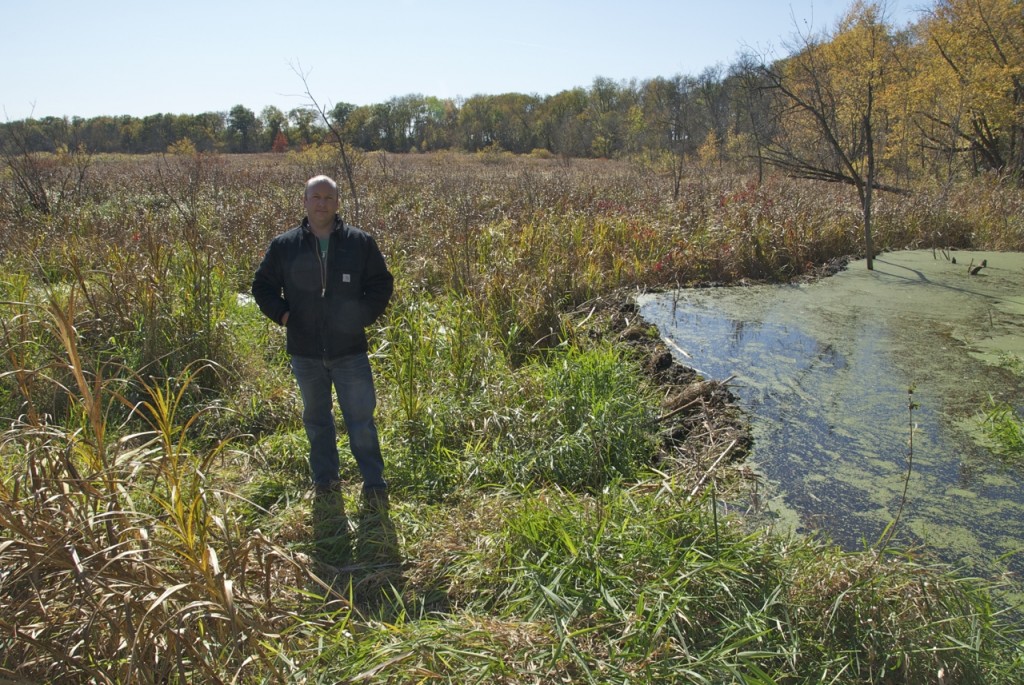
[{"x": 323, "y": 265}]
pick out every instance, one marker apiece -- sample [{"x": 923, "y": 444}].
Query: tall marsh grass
[{"x": 155, "y": 524}]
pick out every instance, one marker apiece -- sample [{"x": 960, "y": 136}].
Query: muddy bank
[{"x": 702, "y": 427}]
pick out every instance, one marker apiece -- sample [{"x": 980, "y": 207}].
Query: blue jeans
[{"x": 352, "y": 379}]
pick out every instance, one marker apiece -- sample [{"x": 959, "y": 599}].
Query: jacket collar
[{"x": 338, "y": 225}]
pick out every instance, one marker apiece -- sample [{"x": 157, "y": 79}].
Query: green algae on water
[{"x": 826, "y": 371}]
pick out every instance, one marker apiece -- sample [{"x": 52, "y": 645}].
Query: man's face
[{"x": 321, "y": 203}]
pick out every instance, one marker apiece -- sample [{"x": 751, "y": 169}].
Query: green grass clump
[
  {"x": 1001, "y": 422},
  {"x": 464, "y": 413},
  {"x": 1005, "y": 428},
  {"x": 595, "y": 424}
]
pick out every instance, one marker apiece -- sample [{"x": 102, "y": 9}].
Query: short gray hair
[{"x": 320, "y": 180}]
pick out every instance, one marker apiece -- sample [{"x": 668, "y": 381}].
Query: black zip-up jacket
[{"x": 330, "y": 303}]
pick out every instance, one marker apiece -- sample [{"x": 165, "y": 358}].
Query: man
[{"x": 326, "y": 281}]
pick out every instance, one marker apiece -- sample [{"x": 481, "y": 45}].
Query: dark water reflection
[{"x": 824, "y": 371}]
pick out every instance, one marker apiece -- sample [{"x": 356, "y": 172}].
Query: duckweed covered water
[{"x": 824, "y": 371}]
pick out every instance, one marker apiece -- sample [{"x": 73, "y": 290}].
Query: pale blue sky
[{"x": 91, "y": 58}]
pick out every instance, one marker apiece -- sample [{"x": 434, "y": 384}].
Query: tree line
[{"x": 865, "y": 103}]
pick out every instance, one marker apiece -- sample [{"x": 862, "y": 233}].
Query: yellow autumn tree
[
  {"x": 968, "y": 88},
  {"x": 839, "y": 96}
]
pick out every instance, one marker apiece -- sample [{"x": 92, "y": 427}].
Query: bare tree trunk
[
  {"x": 868, "y": 243},
  {"x": 677, "y": 175},
  {"x": 869, "y": 139}
]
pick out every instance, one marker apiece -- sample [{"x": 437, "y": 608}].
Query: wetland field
[{"x": 572, "y": 498}]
